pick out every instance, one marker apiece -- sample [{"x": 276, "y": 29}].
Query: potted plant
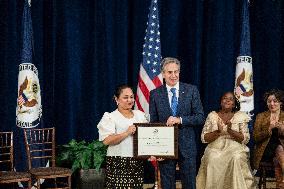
[{"x": 86, "y": 159}]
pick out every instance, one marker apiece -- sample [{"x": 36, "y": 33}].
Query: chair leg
[
  {"x": 38, "y": 183},
  {"x": 29, "y": 184},
  {"x": 260, "y": 179},
  {"x": 69, "y": 182},
  {"x": 55, "y": 182},
  {"x": 264, "y": 179}
]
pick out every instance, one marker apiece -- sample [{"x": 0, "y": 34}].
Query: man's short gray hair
[{"x": 169, "y": 60}]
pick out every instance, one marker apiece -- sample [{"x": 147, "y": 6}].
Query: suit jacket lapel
[
  {"x": 266, "y": 119},
  {"x": 180, "y": 97},
  {"x": 281, "y": 116}
]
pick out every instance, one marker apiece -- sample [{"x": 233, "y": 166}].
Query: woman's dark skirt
[{"x": 124, "y": 172}]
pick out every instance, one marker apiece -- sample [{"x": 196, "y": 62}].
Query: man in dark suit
[{"x": 177, "y": 103}]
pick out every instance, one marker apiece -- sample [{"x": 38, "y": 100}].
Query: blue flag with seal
[
  {"x": 244, "y": 73},
  {"x": 29, "y": 109}
]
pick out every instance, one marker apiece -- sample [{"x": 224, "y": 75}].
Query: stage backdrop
[{"x": 84, "y": 49}]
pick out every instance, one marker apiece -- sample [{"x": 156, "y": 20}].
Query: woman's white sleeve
[{"x": 106, "y": 126}]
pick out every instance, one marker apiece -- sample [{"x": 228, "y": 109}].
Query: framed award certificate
[{"x": 155, "y": 139}]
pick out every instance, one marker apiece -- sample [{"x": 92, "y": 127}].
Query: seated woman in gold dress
[{"x": 225, "y": 163}]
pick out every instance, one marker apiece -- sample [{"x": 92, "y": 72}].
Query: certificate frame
[{"x": 155, "y": 137}]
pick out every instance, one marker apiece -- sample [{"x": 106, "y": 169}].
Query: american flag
[
  {"x": 150, "y": 76},
  {"x": 22, "y": 99}
]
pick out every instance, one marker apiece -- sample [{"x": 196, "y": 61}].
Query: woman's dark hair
[
  {"x": 119, "y": 89},
  {"x": 279, "y": 95},
  {"x": 237, "y": 106}
]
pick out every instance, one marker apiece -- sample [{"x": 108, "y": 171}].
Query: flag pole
[
  {"x": 150, "y": 76},
  {"x": 157, "y": 177}
]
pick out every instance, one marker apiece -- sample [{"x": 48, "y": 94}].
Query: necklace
[
  {"x": 127, "y": 114},
  {"x": 274, "y": 118}
]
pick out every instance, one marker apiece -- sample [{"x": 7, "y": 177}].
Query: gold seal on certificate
[{"x": 155, "y": 139}]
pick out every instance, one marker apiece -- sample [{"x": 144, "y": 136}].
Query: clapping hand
[
  {"x": 229, "y": 125},
  {"x": 220, "y": 126},
  {"x": 273, "y": 123},
  {"x": 280, "y": 125}
]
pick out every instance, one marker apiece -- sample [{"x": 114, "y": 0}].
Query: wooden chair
[
  {"x": 7, "y": 157},
  {"x": 40, "y": 144},
  {"x": 264, "y": 168},
  {"x": 279, "y": 176},
  {"x": 279, "y": 166}
]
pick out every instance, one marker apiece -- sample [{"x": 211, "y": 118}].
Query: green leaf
[{"x": 83, "y": 155}]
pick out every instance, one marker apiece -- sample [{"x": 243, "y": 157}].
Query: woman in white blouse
[
  {"x": 116, "y": 130},
  {"x": 225, "y": 163}
]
